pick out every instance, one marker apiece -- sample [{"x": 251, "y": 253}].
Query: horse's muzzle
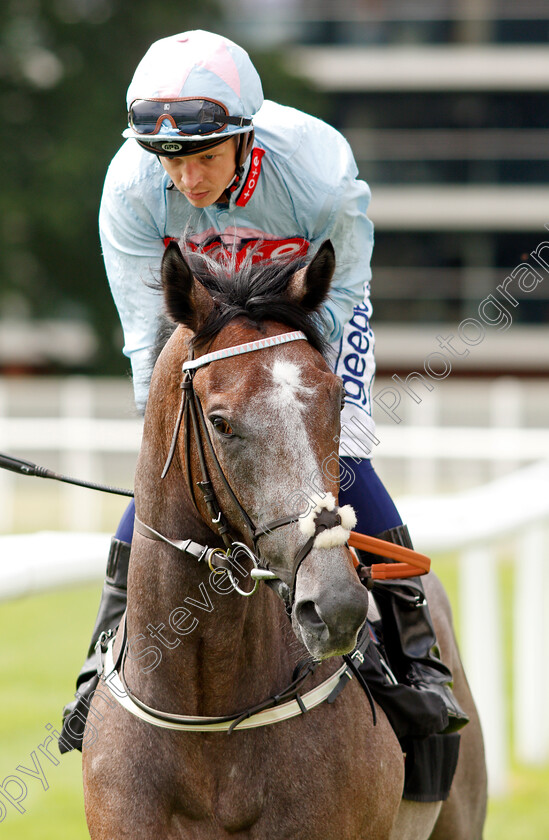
[{"x": 328, "y": 617}]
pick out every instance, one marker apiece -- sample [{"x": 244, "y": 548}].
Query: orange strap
[{"x": 410, "y": 563}]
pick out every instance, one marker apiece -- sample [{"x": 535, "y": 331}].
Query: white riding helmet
[{"x": 192, "y": 91}]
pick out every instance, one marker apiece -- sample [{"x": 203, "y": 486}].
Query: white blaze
[{"x": 286, "y": 376}]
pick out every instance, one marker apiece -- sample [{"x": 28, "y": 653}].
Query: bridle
[
  {"x": 325, "y": 516},
  {"x": 191, "y": 417}
]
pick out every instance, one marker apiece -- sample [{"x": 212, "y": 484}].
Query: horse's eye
[
  {"x": 342, "y": 399},
  {"x": 222, "y": 426}
]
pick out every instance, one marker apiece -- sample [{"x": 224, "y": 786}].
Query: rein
[
  {"x": 287, "y": 704},
  {"x": 273, "y": 710}
]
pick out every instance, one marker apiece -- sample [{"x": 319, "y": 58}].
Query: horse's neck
[{"x": 210, "y": 650}]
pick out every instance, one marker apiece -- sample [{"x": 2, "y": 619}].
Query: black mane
[{"x": 254, "y": 291}]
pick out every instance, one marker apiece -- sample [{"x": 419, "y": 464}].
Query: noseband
[{"x": 325, "y": 515}]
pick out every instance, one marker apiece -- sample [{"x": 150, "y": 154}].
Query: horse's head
[{"x": 273, "y": 418}]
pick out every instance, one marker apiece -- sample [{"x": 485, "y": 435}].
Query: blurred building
[{"x": 446, "y": 107}]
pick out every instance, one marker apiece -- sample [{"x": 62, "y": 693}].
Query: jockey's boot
[
  {"x": 409, "y": 636},
  {"x": 111, "y": 610}
]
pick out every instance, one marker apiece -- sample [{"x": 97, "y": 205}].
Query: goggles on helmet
[{"x": 189, "y": 116}]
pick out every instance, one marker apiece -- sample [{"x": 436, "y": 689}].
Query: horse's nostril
[{"x": 307, "y": 614}]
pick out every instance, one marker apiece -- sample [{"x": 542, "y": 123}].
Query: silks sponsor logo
[
  {"x": 355, "y": 364},
  {"x": 256, "y": 250}
]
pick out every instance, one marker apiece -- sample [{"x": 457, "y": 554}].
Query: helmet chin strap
[
  {"x": 243, "y": 152},
  {"x": 245, "y": 146}
]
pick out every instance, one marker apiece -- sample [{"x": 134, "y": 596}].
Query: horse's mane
[{"x": 254, "y": 291}]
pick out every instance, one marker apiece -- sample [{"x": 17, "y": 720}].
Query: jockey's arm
[
  {"x": 352, "y": 236},
  {"x": 132, "y": 248}
]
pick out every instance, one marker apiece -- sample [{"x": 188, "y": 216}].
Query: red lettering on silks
[
  {"x": 257, "y": 250},
  {"x": 272, "y": 249}
]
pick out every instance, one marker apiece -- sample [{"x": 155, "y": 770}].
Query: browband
[{"x": 227, "y": 352}]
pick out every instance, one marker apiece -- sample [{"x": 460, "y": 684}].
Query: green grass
[
  {"x": 523, "y": 814},
  {"x": 44, "y": 639}
]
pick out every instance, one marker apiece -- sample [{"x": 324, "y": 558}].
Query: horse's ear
[
  {"x": 309, "y": 287},
  {"x": 187, "y": 301}
]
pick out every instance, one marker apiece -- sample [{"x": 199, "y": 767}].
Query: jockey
[{"x": 208, "y": 159}]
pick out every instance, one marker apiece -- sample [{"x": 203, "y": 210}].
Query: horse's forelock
[{"x": 255, "y": 291}]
